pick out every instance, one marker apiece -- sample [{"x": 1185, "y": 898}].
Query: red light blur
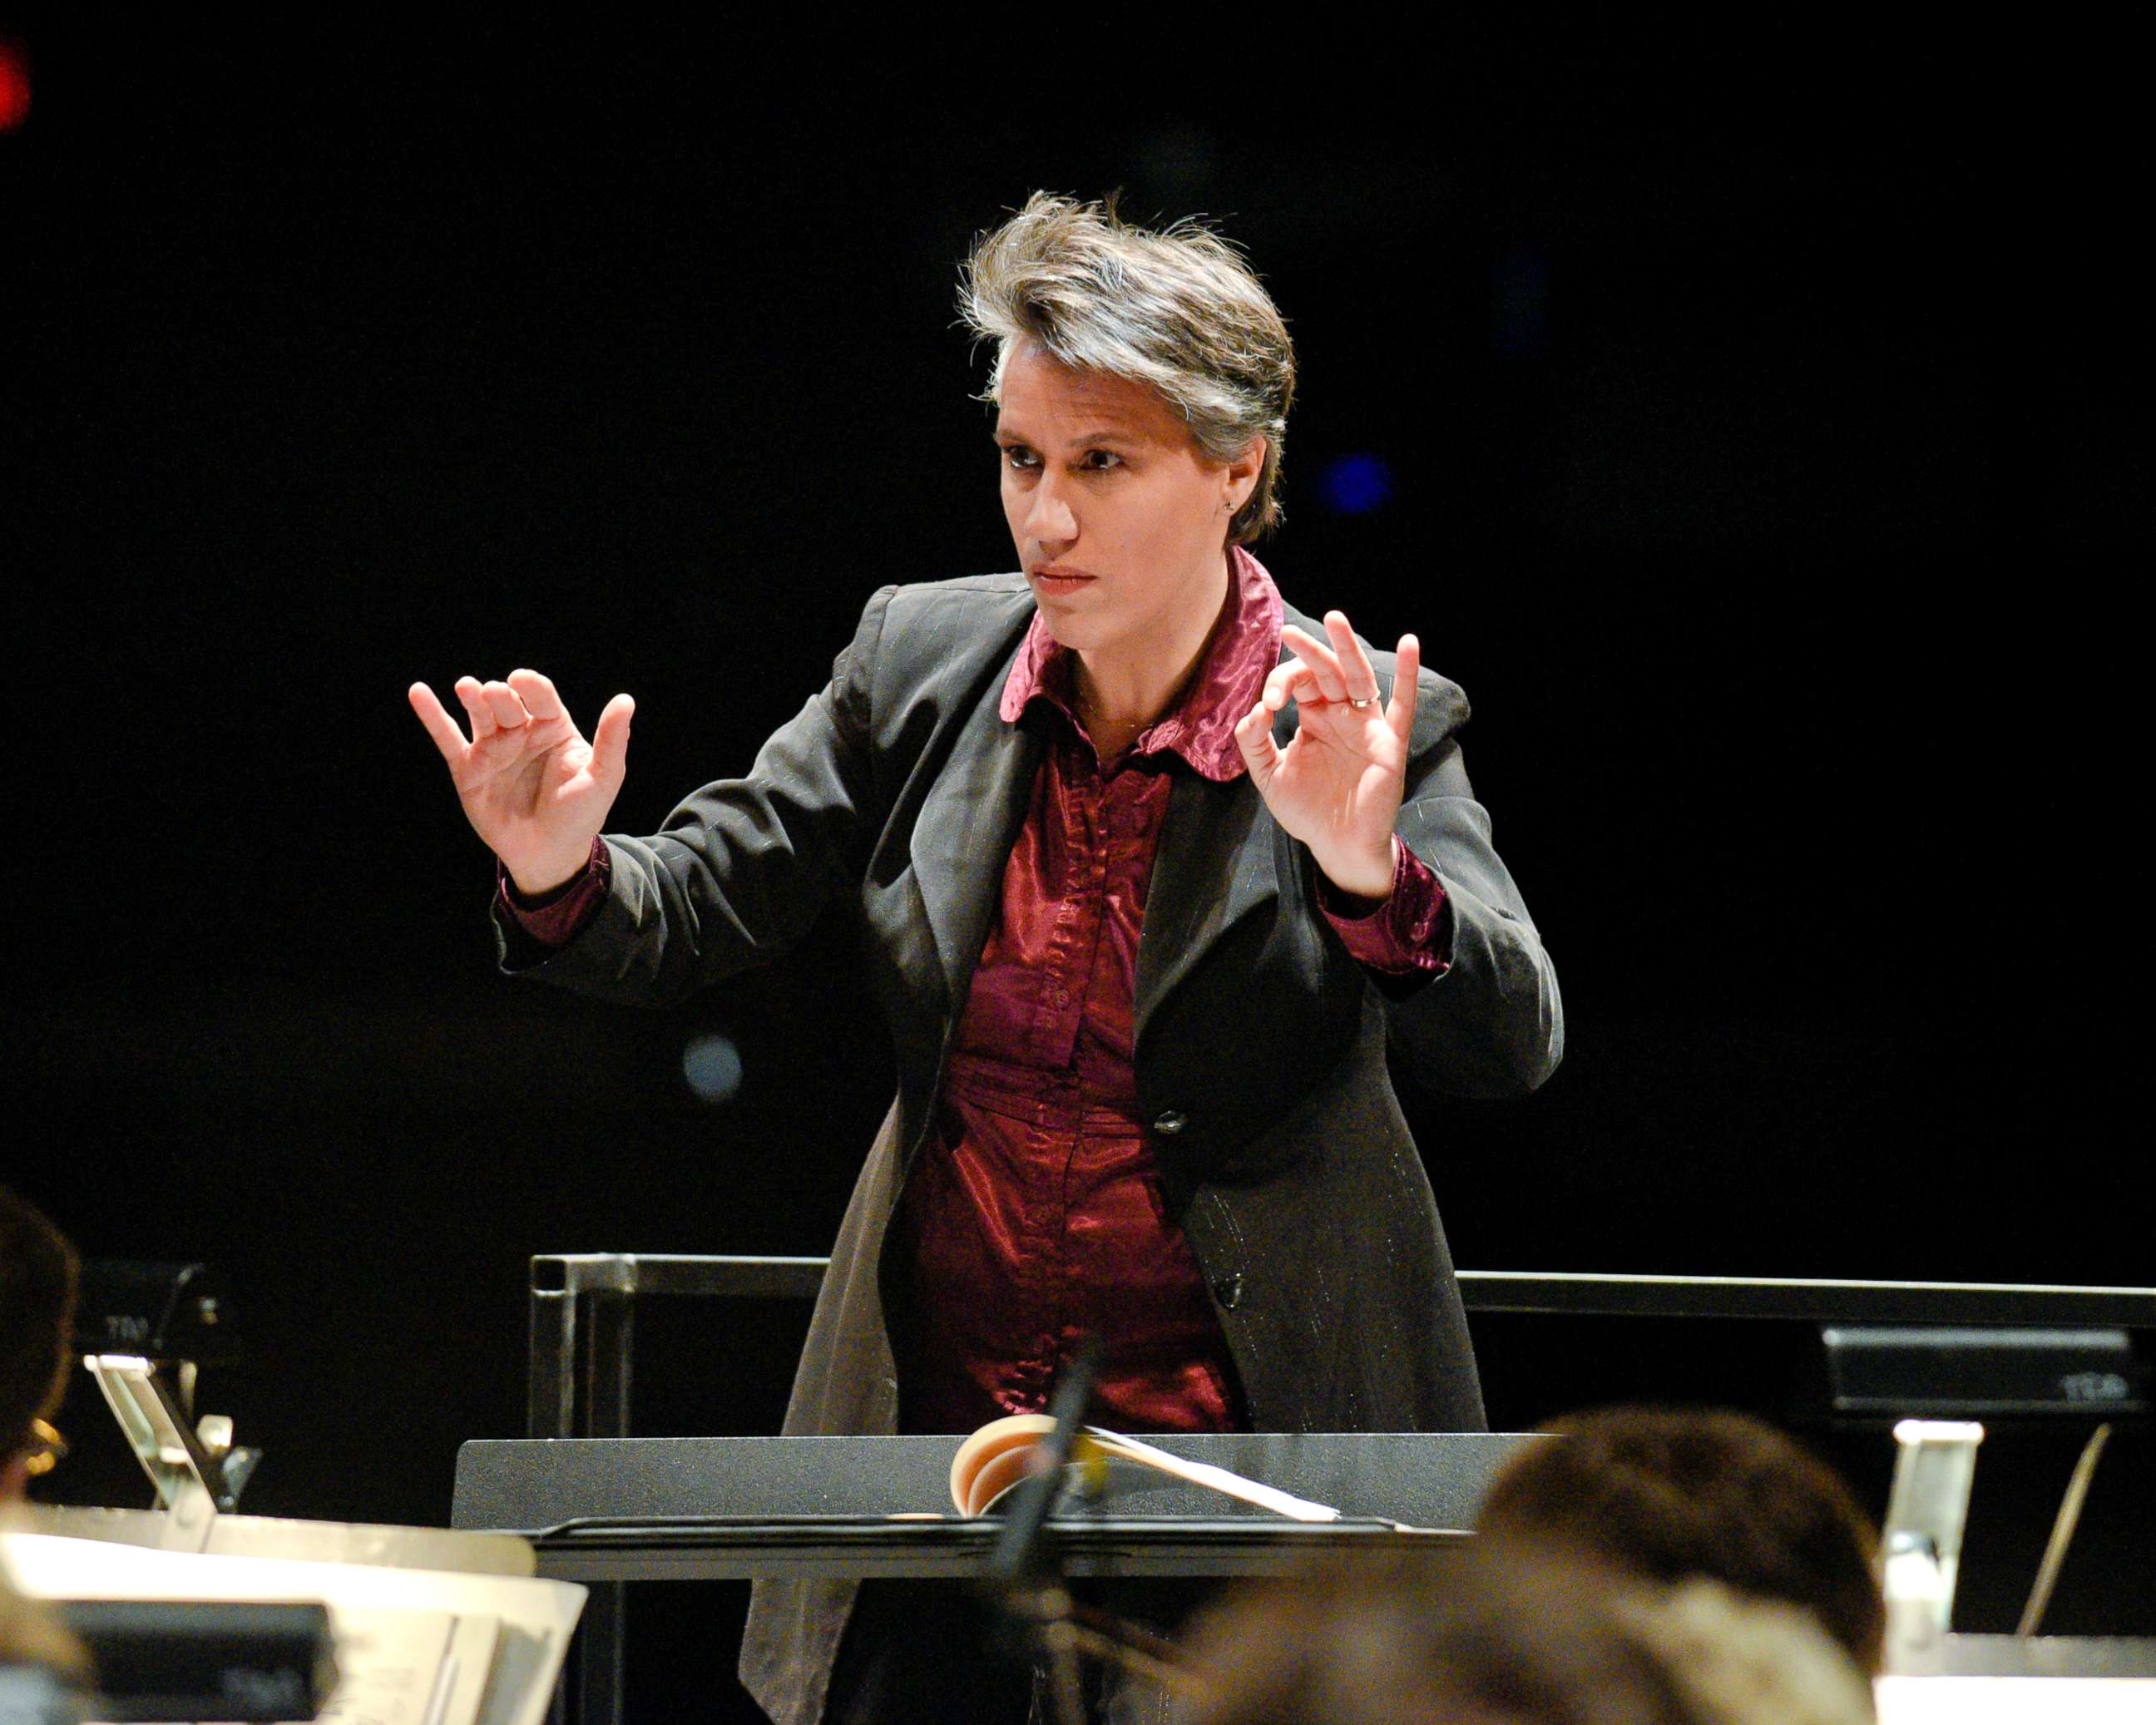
[{"x": 14, "y": 84}]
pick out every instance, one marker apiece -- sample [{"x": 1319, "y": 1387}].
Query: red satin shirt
[{"x": 1034, "y": 1212}]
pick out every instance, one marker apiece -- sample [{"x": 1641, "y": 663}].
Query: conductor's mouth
[{"x": 1058, "y": 578}]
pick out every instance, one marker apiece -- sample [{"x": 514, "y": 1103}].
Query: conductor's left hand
[{"x": 1337, "y": 785}]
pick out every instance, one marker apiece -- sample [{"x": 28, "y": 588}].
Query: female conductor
[{"x": 1151, "y": 867}]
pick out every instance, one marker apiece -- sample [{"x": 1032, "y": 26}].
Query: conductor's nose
[{"x": 1050, "y": 522}]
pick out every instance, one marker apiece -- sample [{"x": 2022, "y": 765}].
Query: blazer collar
[
  {"x": 1201, "y": 726},
  {"x": 1215, "y": 864}
]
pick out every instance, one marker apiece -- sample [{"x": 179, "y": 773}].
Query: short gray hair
[{"x": 1178, "y": 308}]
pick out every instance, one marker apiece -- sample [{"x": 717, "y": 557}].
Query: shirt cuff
[
  {"x": 1409, "y": 934},
  {"x": 554, "y": 919}
]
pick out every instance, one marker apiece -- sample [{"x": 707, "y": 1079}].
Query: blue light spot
[
  {"x": 1356, "y": 485},
  {"x": 713, "y": 1065}
]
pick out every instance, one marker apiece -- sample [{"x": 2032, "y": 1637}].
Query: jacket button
[
  {"x": 1228, "y": 1290},
  {"x": 1171, "y": 1121}
]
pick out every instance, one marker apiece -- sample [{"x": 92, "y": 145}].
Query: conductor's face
[{"x": 1120, "y": 520}]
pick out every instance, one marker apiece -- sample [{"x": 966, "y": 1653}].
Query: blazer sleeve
[
  {"x": 741, "y": 868},
  {"x": 1492, "y": 1023}
]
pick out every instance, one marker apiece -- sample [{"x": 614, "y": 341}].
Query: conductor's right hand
[{"x": 533, "y": 789}]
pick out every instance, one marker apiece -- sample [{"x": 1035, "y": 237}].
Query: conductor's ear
[{"x": 1239, "y": 477}]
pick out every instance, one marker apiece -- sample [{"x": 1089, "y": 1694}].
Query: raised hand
[
  {"x": 1337, "y": 785},
  {"x": 533, "y": 789}
]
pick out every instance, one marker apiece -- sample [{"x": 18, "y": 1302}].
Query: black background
[{"x": 1768, "y": 431}]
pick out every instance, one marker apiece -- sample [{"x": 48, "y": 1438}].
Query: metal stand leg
[
  {"x": 582, "y": 1342},
  {"x": 602, "y": 1654},
  {"x": 551, "y": 1388},
  {"x": 610, "y": 1343},
  {"x": 582, "y": 1379}
]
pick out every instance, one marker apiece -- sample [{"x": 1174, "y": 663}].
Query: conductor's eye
[
  {"x": 1019, "y": 458},
  {"x": 1100, "y": 460}
]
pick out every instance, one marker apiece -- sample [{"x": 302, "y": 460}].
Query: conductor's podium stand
[
  {"x": 642, "y": 1509},
  {"x": 609, "y": 1511},
  {"x": 646, "y": 1509},
  {"x": 431, "y": 1627}
]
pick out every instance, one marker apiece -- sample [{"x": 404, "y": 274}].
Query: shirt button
[
  {"x": 1170, "y": 1122},
  {"x": 1062, "y": 997},
  {"x": 1228, "y": 1290}
]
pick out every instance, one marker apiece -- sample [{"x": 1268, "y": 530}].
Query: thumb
[{"x": 610, "y": 740}]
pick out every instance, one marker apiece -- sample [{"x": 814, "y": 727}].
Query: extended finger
[
  {"x": 1355, "y": 668},
  {"x": 1324, "y": 666},
  {"x": 1407, "y": 669},
  {"x": 507, "y": 708},
  {"x": 610, "y": 740},
  {"x": 473, "y": 694},
  {"x": 449, "y": 735},
  {"x": 1254, "y": 736},
  {"x": 538, "y": 694}
]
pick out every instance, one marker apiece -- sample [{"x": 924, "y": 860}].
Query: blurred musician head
[
  {"x": 37, "y": 1275},
  {"x": 1668, "y": 1494},
  {"x": 1513, "y": 1633},
  {"x": 37, "y": 1319}
]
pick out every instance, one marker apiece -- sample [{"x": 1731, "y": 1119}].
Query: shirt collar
[{"x": 1200, "y": 727}]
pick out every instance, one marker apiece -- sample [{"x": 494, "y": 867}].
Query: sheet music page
[
  {"x": 515, "y": 1655},
  {"x": 468, "y": 1671},
  {"x": 389, "y": 1664}
]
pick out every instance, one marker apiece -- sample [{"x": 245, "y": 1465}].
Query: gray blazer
[{"x": 1260, "y": 1043}]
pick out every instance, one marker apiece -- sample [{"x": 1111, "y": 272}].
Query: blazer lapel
[
  {"x": 968, "y": 823},
  {"x": 1214, "y": 867}
]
